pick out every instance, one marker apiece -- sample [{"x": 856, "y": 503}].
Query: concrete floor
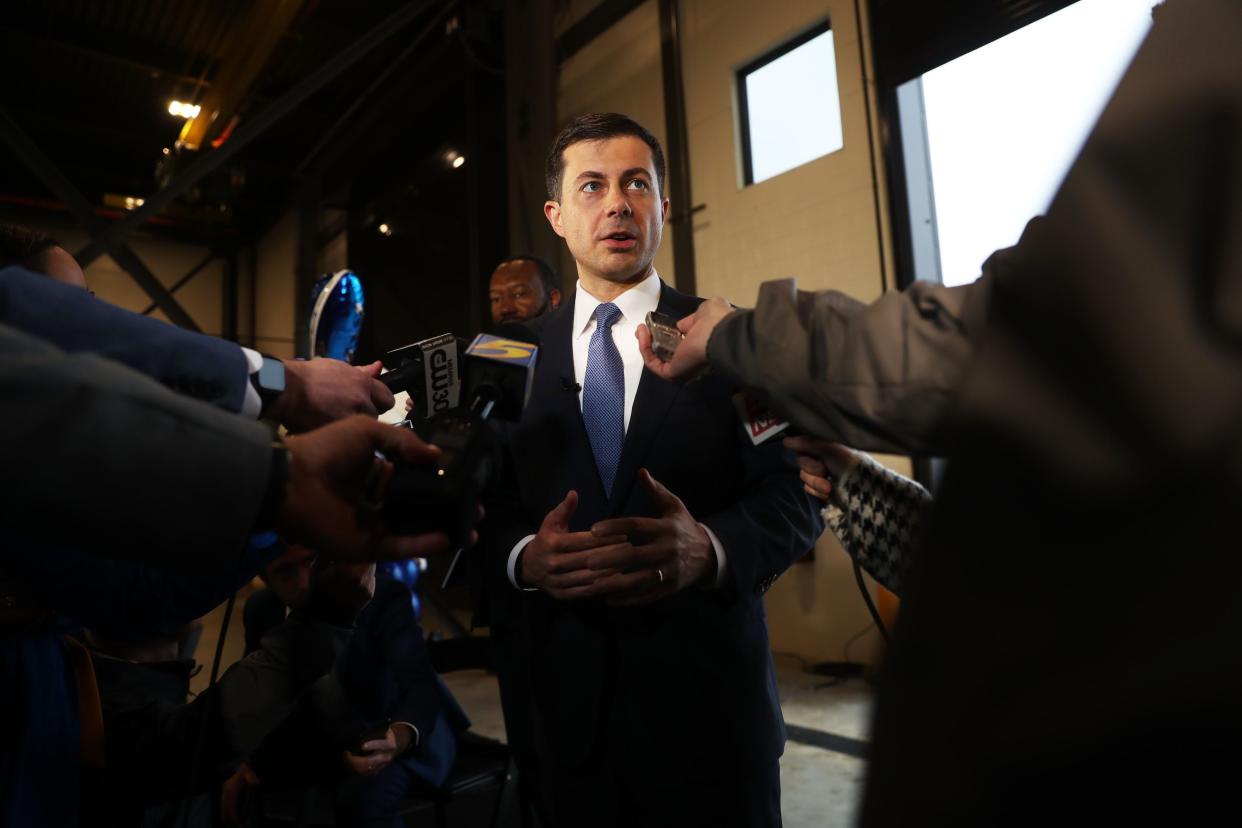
[{"x": 819, "y": 787}]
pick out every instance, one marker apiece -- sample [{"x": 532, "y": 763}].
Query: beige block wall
[
  {"x": 276, "y": 263},
  {"x": 276, "y": 294},
  {"x": 816, "y": 222},
  {"x": 202, "y": 297},
  {"x": 274, "y": 278},
  {"x": 619, "y": 71}
]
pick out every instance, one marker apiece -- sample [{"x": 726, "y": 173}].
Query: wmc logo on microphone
[
  {"x": 498, "y": 348},
  {"x": 440, "y": 373}
]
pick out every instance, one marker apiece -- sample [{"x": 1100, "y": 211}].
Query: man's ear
[
  {"x": 552, "y": 209},
  {"x": 554, "y": 298},
  {"x": 664, "y": 211}
]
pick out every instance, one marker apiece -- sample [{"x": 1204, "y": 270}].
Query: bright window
[
  {"x": 1004, "y": 123},
  {"x": 789, "y": 105}
]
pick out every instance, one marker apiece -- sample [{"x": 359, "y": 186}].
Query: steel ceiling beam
[
  {"x": 678, "y": 146},
  {"x": 84, "y": 212},
  {"x": 128, "y": 61},
  {"x": 592, "y": 24},
  {"x": 380, "y": 80},
  {"x": 184, "y": 280},
  {"x": 249, "y": 46},
  {"x": 115, "y": 234}
]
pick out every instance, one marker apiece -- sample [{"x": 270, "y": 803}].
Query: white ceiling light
[{"x": 183, "y": 110}]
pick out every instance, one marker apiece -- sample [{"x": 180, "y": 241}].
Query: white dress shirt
[
  {"x": 252, "y": 405},
  {"x": 634, "y": 305}
]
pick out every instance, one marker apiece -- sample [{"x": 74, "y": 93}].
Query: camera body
[
  {"x": 445, "y": 497},
  {"x": 496, "y": 377}
]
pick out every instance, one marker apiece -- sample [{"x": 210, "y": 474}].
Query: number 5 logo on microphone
[{"x": 506, "y": 350}]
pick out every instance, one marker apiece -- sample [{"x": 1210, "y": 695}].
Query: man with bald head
[{"x": 521, "y": 288}]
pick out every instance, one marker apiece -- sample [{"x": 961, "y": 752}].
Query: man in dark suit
[{"x": 655, "y": 697}]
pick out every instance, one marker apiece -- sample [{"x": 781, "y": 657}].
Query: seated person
[{"x": 385, "y": 726}]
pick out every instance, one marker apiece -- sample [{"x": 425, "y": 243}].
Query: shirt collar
[{"x": 634, "y": 304}]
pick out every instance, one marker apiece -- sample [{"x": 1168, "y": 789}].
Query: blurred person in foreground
[
  {"x": 105, "y": 455},
  {"x": 1067, "y": 647}
]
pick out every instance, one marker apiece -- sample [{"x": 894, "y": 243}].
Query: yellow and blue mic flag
[{"x": 500, "y": 349}]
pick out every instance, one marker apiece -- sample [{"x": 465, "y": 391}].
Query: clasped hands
[{"x": 626, "y": 561}]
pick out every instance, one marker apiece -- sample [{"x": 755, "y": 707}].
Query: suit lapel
[
  {"x": 651, "y": 404},
  {"x": 556, "y": 364}
]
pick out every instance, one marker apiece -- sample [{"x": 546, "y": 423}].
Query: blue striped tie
[{"x": 603, "y": 396}]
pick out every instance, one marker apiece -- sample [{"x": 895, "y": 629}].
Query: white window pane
[
  {"x": 793, "y": 109},
  {"x": 1005, "y": 122}
]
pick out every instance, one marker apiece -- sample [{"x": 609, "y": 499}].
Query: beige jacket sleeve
[
  {"x": 102, "y": 458},
  {"x": 879, "y": 377}
]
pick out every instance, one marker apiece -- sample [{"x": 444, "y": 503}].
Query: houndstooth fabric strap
[{"x": 875, "y": 513}]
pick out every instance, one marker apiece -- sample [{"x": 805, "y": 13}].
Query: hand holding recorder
[{"x": 681, "y": 356}]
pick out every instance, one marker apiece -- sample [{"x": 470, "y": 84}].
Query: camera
[{"x": 495, "y": 381}]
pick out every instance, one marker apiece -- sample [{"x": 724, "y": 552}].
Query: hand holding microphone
[
  {"x": 328, "y": 502},
  {"x": 690, "y": 357},
  {"x": 318, "y": 391},
  {"x": 820, "y": 462}
]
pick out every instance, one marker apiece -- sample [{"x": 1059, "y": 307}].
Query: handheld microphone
[
  {"x": 497, "y": 374},
  {"x": 429, "y": 371},
  {"x": 500, "y": 371}
]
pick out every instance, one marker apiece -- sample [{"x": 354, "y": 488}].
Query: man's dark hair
[
  {"x": 19, "y": 244},
  {"x": 547, "y": 273},
  {"x": 599, "y": 126}
]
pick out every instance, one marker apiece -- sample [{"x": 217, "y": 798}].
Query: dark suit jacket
[
  {"x": 687, "y": 679},
  {"x": 95, "y": 444}
]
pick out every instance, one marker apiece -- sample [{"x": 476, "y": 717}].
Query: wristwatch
[{"x": 269, "y": 380}]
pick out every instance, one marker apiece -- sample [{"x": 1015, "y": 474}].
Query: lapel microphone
[{"x": 569, "y": 385}]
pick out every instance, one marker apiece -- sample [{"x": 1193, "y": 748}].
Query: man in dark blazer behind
[{"x": 646, "y": 529}]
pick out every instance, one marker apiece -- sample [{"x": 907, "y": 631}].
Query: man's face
[
  {"x": 517, "y": 293},
  {"x": 289, "y": 576},
  {"x": 611, "y": 213}
]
